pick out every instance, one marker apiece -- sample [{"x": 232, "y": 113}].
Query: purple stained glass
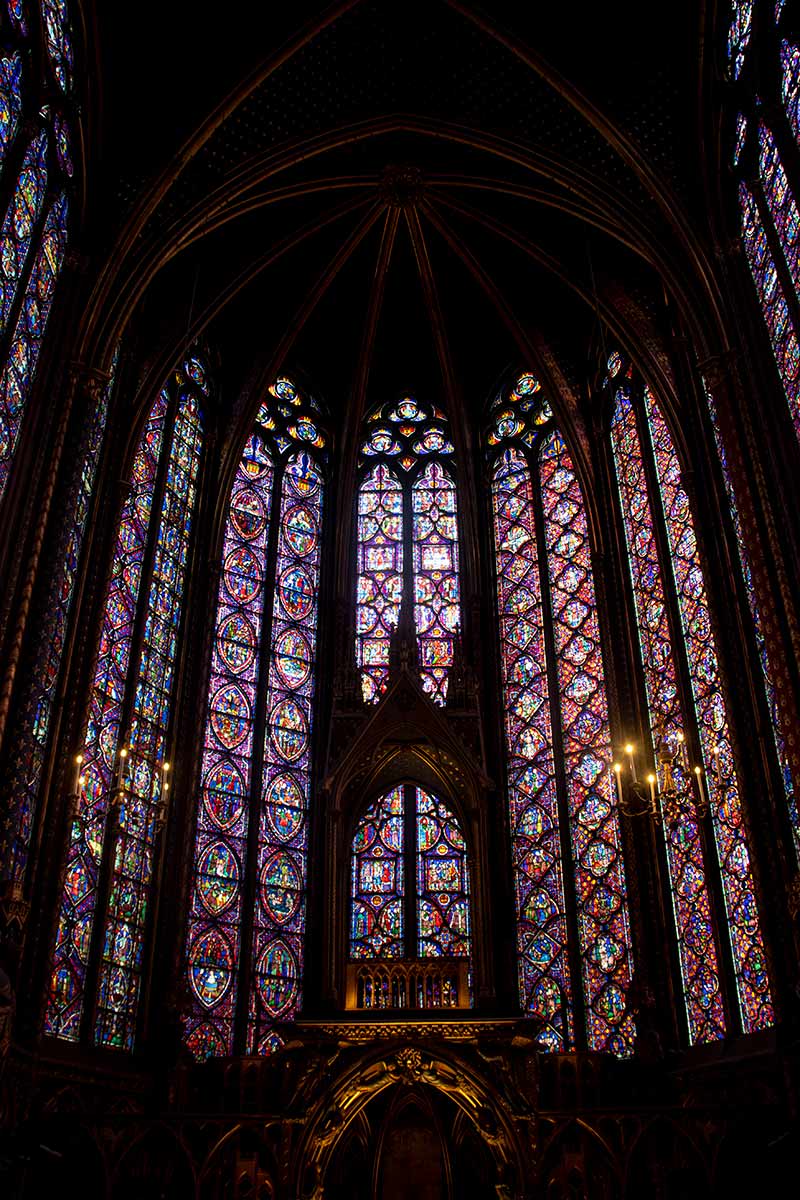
[
  {"x": 16, "y": 14},
  {"x": 773, "y": 302},
  {"x": 26, "y": 342},
  {"x": 32, "y": 734},
  {"x": 10, "y": 101},
  {"x": 761, "y": 642},
  {"x": 279, "y": 922},
  {"x": 436, "y": 577},
  {"x": 58, "y": 40},
  {"x": 143, "y": 780},
  {"x": 790, "y": 85},
  {"x": 377, "y": 880},
  {"x": 443, "y": 918},
  {"x": 407, "y": 495},
  {"x": 715, "y": 742},
  {"x": 544, "y": 975},
  {"x": 379, "y": 587},
  {"x": 63, "y": 144},
  {"x": 223, "y": 813},
  {"x": 691, "y": 903},
  {"x": 19, "y": 223},
  {"x": 781, "y": 202},
  {"x": 102, "y": 741},
  {"x": 601, "y": 891},
  {"x": 739, "y": 33}
]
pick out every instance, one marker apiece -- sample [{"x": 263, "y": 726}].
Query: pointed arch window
[
  {"x": 121, "y": 792},
  {"x": 247, "y": 921},
  {"x": 409, "y": 887},
  {"x": 407, "y": 543},
  {"x": 573, "y": 931},
  {"x": 687, "y": 706}
]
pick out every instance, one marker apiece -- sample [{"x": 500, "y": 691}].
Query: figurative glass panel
[
  {"x": 377, "y": 883},
  {"x": 252, "y": 824},
  {"x": 143, "y": 779},
  {"x": 407, "y": 544},
  {"x": 20, "y": 221},
  {"x": 442, "y": 881},
  {"x": 379, "y": 588},
  {"x": 10, "y": 101},
  {"x": 436, "y": 587},
  {"x": 689, "y": 889},
  {"x": 58, "y": 40},
  {"x": 601, "y": 891},
  {"x": 279, "y": 924},
  {"x": 26, "y": 342},
  {"x": 712, "y": 723},
  {"x": 544, "y": 976},
  {"x": 32, "y": 733},
  {"x": 773, "y": 301},
  {"x": 223, "y": 817},
  {"x": 780, "y": 201},
  {"x": 761, "y": 642},
  {"x": 739, "y": 33},
  {"x": 101, "y": 762}
]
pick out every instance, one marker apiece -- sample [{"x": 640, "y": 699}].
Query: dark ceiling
[{"x": 412, "y": 136}]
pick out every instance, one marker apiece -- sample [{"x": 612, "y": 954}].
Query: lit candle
[
  {"x": 78, "y": 776},
  {"x": 651, "y": 779},
  {"x": 617, "y": 772},
  {"x": 123, "y": 754},
  {"x": 682, "y": 748},
  {"x": 718, "y": 765},
  {"x": 699, "y": 776},
  {"x": 629, "y": 749}
]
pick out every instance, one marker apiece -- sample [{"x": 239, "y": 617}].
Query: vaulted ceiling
[{"x": 386, "y": 195}]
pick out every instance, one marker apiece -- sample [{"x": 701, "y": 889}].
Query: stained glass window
[
  {"x": 564, "y": 818},
  {"x": 677, "y": 643},
  {"x": 741, "y": 28},
  {"x": 121, "y": 791},
  {"x": 763, "y": 656},
  {"x": 31, "y": 736},
  {"x": 407, "y": 543},
  {"x": 58, "y": 40},
  {"x": 683, "y": 840},
  {"x": 773, "y": 301},
  {"x": 20, "y": 220},
  {"x": 713, "y": 730},
  {"x": 790, "y": 85},
  {"x": 409, "y": 837},
  {"x": 23, "y": 356},
  {"x": 780, "y": 200},
  {"x": 10, "y": 101},
  {"x": 260, "y": 709}
]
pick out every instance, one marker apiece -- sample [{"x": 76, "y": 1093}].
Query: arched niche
[{"x": 405, "y": 739}]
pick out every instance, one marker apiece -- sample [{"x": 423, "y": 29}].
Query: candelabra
[{"x": 667, "y": 794}]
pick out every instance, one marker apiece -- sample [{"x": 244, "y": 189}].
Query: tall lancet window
[
  {"x": 689, "y": 722},
  {"x": 407, "y": 543},
  {"x": 573, "y": 933},
  {"x": 122, "y": 779},
  {"x": 244, "y": 956},
  {"x": 36, "y": 168},
  {"x": 770, "y": 219}
]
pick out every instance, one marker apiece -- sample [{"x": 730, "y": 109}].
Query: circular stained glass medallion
[
  {"x": 288, "y": 730},
  {"x": 223, "y": 795},
  {"x": 242, "y": 575},
  {"x": 285, "y": 807},
  {"x": 210, "y": 967},
  {"x": 293, "y": 658},
  {"x": 194, "y": 369},
  {"x": 276, "y": 976},
  {"x": 236, "y": 643},
  {"x": 296, "y": 592},
  {"x": 248, "y": 517},
  {"x": 300, "y": 530},
  {"x": 280, "y": 887},
  {"x": 230, "y": 716},
  {"x": 218, "y": 878}
]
